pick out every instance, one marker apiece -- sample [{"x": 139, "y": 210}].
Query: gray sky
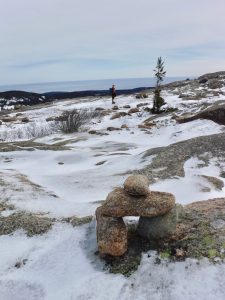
[{"x": 57, "y": 40}]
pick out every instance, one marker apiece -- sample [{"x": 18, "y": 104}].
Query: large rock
[
  {"x": 111, "y": 234},
  {"x": 215, "y": 113},
  {"x": 137, "y": 185},
  {"x": 159, "y": 227},
  {"x": 120, "y": 204}
]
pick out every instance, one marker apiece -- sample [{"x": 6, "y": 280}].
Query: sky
[{"x": 66, "y": 40}]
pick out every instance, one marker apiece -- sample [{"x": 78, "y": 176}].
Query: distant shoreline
[
  {"x": 17, "y": 98},
  {"x": 86, "y": 85}
]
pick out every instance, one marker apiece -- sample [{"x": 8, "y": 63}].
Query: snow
[
  {"x": 62, "y": 264},
  {"x": 192, "y": 182}
]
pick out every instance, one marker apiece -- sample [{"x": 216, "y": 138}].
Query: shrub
[{"x": 71, "y": 121}]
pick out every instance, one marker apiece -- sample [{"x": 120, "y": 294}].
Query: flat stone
[
  {"x": 111, "y": 234},
  {"x": 133, "y": 110},
  {"x": 137, "y": 185},
  {"x": 120, "y": 204},
  {"x": 113, "y": 129},
  {"x": 146, "y": 125}
]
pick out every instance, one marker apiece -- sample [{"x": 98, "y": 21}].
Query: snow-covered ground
[{"x": 61, "y": 264}]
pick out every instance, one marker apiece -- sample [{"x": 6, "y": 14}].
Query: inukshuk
[{"x": 135, "y": 199}]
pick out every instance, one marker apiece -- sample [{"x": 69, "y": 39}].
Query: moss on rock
[{"x": 32, "y": 224}]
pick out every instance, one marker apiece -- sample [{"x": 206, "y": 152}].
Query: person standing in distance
[{"x": 113, "y": 93}]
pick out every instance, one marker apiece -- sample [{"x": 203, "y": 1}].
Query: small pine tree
[{"x": 159, "y": 74}]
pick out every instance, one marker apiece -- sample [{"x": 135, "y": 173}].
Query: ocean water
[{"x": 72, "y": 86}]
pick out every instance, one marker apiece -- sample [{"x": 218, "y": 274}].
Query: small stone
[
  {"x": 115, "y": 107},
  {"x": 92, "y": 132},
  {"x": 50, "y": 119},
  {"x": 124, "y": 126},
  {"x": 25, "y": 120},
  {"x": 180, "y": 253},
  {"x": 100, "y": 163},
  {"x": 136, "y": 185},
  {"x": 126, "y": 106},
  {"x": 18, "y": 265}
]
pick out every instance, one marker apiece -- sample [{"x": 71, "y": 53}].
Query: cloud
[{"x": 83, "y": 39}]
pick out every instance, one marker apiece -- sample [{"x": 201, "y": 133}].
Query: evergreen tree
[{"x": 159, "y": 74}]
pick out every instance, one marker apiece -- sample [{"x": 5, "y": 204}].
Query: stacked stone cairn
[{"x": 157, "y": 213}]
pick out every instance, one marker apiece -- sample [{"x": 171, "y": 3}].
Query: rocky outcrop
[
  {"x": 168, "y": 162},
  {"x": 133, "y": 200},
  {"x": 212, "y": 75},
  {"x": 215, "y": 113}
]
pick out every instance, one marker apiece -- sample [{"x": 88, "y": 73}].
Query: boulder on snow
[
  {"x": 118, "y": 115},
  {"x": 124, "y": 126},
  {"x": 113, "y": 129},
  {"x": 142, "y": 104},
  {"x": 25, "y": 120},
  {"x": 146, "y": 125},
  {"x": 133, "y": 110},
  {"x": 137, "y": 185}
]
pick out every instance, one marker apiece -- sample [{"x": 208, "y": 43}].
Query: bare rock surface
[
  {"x": 216, "y": 182},
  {"x": 137, "y": 185},
  {"x": 119, "y": 204},
  {"x": 168, "y": 162},
  {"x": 215, "y": 113},
  {"x": 200, "y": 232}
]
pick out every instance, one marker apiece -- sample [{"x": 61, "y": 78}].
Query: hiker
[{"x": 113, "y": 93}]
